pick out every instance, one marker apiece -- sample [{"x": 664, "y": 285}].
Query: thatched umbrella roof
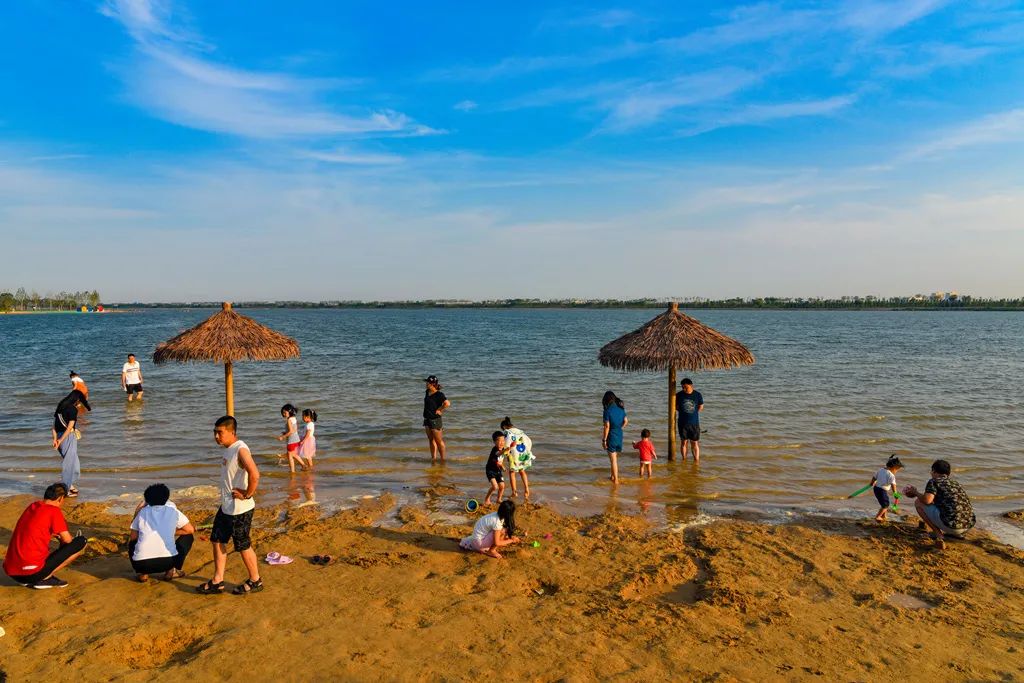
[
  {"x": 674, "y": 340},
  {"x": 226, "y": 337}
]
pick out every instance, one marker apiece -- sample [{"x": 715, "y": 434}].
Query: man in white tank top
[{"x": 238, "y": 480}]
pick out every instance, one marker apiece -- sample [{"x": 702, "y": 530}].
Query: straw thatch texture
[
  {"x": 674, "y": 339},
  {"x": 226, "y": 337}
]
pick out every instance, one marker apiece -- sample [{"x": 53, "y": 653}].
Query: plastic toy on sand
[
  {"x": 536, "y": 544},
  {"x": 472, "y": 505}
]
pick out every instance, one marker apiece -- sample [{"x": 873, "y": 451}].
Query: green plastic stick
[{"x": 859, "y": 491}]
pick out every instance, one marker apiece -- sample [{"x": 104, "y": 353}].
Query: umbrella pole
[
  {"x": 229, "y": 388},
  {"x": 671, "y": 413}
]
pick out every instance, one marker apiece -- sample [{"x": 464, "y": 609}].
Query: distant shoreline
[{"x": 123, "y": 308}]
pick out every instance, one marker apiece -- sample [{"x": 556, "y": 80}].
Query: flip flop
[
  {"x": 322, "y": 559},
  {"x": 277, "y": 558}
]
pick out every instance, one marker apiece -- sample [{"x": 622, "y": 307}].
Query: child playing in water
[
  {"x": 647, "y": 454},
  {"x": 290, "y": 435},
  {"x": 307, "y": 447},
  {"x": 493, "y": 531},
  {"x": 519, "y": 449},
  {"x": 883, "y": 482},
  {"x": 495, "y": 468}
]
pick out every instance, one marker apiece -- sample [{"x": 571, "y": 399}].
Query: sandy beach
[{"x": 605, "y": 597}]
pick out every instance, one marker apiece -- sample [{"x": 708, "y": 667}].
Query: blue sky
[{"x": 181, "y": 150}]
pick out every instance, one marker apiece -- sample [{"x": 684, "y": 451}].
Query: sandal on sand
[
  {"x": 210, "y": 588},
  {"x": 322, "y": 559},
  {"x": 249, "y": 586},
  {"x": 278, "y": 558}
]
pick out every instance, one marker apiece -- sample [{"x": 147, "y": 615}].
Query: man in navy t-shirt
[{"x": 689, "y": 403}]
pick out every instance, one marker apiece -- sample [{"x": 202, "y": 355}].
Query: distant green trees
[{"x": 21, "y": 300}]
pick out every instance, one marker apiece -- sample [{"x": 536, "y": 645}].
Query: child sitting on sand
[
  {"x": 883, "y": 482},
  {"x": 493, "y": 531},
  {"x": 307, "y": 447},
  {"x": 495, "y": 468},
  {"x": 647, "y": 454},
  {"x": 519, "y": 449}
]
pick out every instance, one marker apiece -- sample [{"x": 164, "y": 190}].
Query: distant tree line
[
  {"x": 952, "y": 302},
  {"x": 60, "y": 301}
]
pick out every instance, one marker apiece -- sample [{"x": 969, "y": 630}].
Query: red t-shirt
[
  {"x": 646, "y": 449},
  {"x": 30, "y": 542}
]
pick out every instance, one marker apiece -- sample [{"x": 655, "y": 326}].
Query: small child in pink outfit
[{"x": 647, "y": 454}]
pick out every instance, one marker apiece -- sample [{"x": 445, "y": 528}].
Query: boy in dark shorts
[
  {"x": 495, "y": 468},
  {"x": 239, "y": 479}
]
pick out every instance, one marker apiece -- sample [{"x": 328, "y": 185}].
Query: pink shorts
[{"x": 469, "y": 543}]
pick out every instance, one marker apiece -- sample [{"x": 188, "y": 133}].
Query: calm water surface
[{"x": 831, "y": 396}]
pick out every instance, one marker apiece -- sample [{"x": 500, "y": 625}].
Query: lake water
[{"x": 831, "y": 396}]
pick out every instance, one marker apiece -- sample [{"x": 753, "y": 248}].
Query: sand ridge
[{"x": 607, "y": 597}]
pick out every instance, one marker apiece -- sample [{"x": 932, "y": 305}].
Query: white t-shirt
[
  {"x": 156, "y": 525},
  {"x": 293, "y": 425},
  {"x": 884, "y": 479},
  {"x": 310, "y": 428},
  {"x": 132, "y": 373},
  {"x": 232, "y": 476},
  {"x": 485, "y": 525}
]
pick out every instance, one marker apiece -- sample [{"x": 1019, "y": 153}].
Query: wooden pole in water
[
  {"x": 229, "y": 378},
  {"x": 672, "y": 401}
]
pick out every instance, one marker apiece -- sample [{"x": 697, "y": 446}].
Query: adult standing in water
[
  {"x": 689, "y": 404},
  {"x": 131, "y": 378},
  {"x": 614, "y": 421},
  {"x": 65, "y": 438},
  {"x": 434, "y": 404}
]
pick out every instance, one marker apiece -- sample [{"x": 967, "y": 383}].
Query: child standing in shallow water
[
  {"x": 647, "y": 454},
  {"x": 495, "y": 468},
  {"x": 307, "y": 447},
  {"x": 519, "y": 449},
  {"x": 883, "y": 482},
  {"x": 290, "y": 435}
]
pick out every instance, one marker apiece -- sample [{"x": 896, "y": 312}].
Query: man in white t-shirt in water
[
  {"x": 131, "y": 377},
  {"x": 161, "y": 536},
  {"x": 239, "y": 478}
]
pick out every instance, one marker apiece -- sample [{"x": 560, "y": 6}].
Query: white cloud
[
  {"x": 763, "y": 113},
  {"x": 465, "y": 105},
  {"x": 1007, "y": 126},
  {"x": 174, "y": 79},
  {"x": 345, "y": 156}
]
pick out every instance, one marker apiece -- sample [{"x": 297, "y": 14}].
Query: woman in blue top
[{"x": 614, "y": 420}]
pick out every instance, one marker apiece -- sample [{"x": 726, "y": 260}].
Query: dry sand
[{"x": 607, "y": 597}]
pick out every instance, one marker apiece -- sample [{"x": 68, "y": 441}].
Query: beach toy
[
  {"x": 536, "y": 544},
  {"x": 896, "y": 506},
  {"x": 547, "y": 537},
  {"x": 472, "y": 505},
  {"x": 859, "y": 491}
]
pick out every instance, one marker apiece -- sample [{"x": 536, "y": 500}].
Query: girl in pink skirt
[{"x": 307, "y": 447}]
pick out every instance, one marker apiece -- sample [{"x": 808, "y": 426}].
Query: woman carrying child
[{"x": 493, "y": 531}]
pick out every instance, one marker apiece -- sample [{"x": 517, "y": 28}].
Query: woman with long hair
[{"x": 614, "y": 421}]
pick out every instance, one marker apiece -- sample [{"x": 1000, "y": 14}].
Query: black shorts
[
  {"x": 133, "y": 388},
  {"x": 689, "y": 432},
  {"x": 234, "y": 528},
  {"x": 496, "y": 475},
  {"x": 433, "y": 423},
  {"x": 53, "y": 560},
  {"x": 882, "y": 496}
]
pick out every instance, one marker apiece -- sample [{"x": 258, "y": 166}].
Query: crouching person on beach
[
  {"x": 239, "y": 478},
  {"x": 161, "y": 536},
  {"x": 944, "y": 505},
  {"x": 493, "y": 531},
  {"x": 29, "y": 560}
]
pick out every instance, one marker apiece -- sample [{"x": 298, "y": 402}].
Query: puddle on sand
[{"x": 904, "y": 601}]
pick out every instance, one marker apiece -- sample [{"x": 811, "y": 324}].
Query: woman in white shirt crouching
[{"x": 161, "y": 536}]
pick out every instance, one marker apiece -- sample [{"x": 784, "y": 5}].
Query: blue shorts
[
  {"x": 614, "y": 447},
  {"x": 882, "y": 496}
]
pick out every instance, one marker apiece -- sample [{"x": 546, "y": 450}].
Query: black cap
[{"x": 432, "y": 380}]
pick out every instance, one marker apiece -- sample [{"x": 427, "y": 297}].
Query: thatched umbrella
[
  {"x": 226, "y": 337},
  {"x": 674, "y": 341}
]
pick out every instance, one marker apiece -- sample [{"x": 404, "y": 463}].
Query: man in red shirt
[{"x": 29, "y": 560}]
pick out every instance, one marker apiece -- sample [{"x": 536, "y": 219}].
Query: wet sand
[{"x": 607, "y": 597}]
